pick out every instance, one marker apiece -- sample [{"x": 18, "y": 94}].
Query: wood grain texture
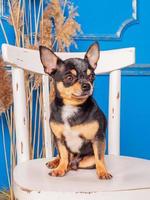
[{"x": 30, "y": 60}]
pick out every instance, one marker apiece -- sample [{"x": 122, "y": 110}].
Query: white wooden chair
[{"x": 131, "y": 176}]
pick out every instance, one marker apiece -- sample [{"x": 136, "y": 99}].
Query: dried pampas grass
[
  {"x": 5, "y": 88},
  {"x": 45, "y": 29},
  {"x": 69, "y": 29},
  {"x": 16, "y": 18},
  {"x": 65, "y": 27},
  {"x": 1, "y": 62},
  {"x": 50, "y": 27},
  {"x": 4, "y": 195}
]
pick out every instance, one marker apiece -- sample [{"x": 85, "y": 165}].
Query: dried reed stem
[
  {"x": 4, "y": 32},
  {"x": 5, "y": 152},
  {"x": 64, "y": 29},
  {"x": 34, "y": 5},
  {"x": 30, "y": 118},
  {"x": 23, "y": 22},
  {"x": 5, "y": 195},
  {"x": 12, "y": 152},
  {"x": 30, "y": 22},
  {"x": 18, "y": 20},
  {"x": 39, "y": 124},
  {"x": 37, "y": 22},
  {"x": 13, "y": 22},
  {"x": 35, "y": 118}
]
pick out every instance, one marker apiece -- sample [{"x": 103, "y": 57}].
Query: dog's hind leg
[{"x": 88, "y": 162}]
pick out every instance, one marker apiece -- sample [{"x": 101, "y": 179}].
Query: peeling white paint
[
  {"x": 48, "y": 136},
  {"x": 114, "y": 117},
  {"x": 45, "y": 195}
]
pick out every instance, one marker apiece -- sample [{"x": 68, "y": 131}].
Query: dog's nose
[{"x": 85, "y": 87}]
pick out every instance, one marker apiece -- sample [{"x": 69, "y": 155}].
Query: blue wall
[{"x": 101, "y": 20}]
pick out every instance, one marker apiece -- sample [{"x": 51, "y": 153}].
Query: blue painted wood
[
  {"x": 106, "y": 20},
  {"x": 4, "y": 11},
  {"x": 137, "y": 70},
  {"x": 4, "y": 182},
  {"x": 137, "y": 34}
]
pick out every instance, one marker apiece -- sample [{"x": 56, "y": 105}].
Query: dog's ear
[
  {"x": 93, "y": 54},
  {"x": 49, "y": 60}
]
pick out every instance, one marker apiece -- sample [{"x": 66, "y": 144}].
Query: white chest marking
[
  {"x": 73, "y": 140},
  {"x": 68, "y": 111}
]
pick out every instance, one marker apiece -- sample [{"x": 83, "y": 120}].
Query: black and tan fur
[{"x": 76, "y": 121}]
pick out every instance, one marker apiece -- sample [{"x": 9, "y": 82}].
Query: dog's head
[{"x": 73, "y": 78}]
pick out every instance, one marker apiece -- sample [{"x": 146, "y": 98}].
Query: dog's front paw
[
  {"x": 53, "y": 164},
  {"x": 104, "y": 175},
  {"x": 58, "y": 172}
]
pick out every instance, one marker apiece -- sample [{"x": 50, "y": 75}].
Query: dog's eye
[
  {"x": 69, "y": 78},
  {"x": 91, "y": 77}
]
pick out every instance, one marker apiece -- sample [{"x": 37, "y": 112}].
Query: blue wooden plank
[{"x": 106, "y": 20}]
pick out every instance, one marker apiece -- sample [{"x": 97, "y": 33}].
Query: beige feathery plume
[
  {"x": 5, "y": 88},
  {"x": 45, "y": 30},
  {"x": 1, "y": 62},
  {"x": 52, "y": 20},
  {"x": 4, "y": 195},
  {"x": 69, "y": 29},
  {"x": 65, "y": 28}
]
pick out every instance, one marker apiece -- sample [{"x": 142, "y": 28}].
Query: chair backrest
[{"x": 111, "y": 61}]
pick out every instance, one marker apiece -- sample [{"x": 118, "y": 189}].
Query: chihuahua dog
[{"x": 76, "y": 121}]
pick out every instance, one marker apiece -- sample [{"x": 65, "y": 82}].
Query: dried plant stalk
[
  {"x": 45, "y": 30},
  {"x": 16, "y": 18},
  {"x": 69, "y": 29},
  {"x": 2, "y": 64},
  {"x": 52, "y": 29},
  {"x": 65, "y": 27},
  {"x": 5, "y": 88},
  {"x": 5, "y": 195}
]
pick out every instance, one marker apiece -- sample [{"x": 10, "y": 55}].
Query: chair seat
[{"x": 128, "y": 174}]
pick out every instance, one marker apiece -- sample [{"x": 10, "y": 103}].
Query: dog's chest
[{"x": 72, "y": 137}]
